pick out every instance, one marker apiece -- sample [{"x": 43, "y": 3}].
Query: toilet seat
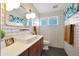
[
  {"x": 46, "y": 42},
  {"x": 46, "y": 45}
]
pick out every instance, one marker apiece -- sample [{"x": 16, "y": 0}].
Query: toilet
[{"x": 46, "y": 43}]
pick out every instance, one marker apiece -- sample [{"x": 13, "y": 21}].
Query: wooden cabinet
[
  {"x": 34, "y": 50},
  {"x": 41, "y": 45},
  {"x": 25, "y": 53},
  {"x": 69, "y": 34}
]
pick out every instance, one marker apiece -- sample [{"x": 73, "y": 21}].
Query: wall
[
  {"x": 55, "y": 34},
  {"x": 0, "y": 13},
  {"x": 20, "y": 12},
  {"x": 73, "y": 50}
]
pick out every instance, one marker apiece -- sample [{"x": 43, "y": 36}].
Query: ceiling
[
  {"x": 50, "y": 7},
  {"x": 43, "y": 8},
  {"x": 39, "y": 8},
  {"x": 27, "y": 6},
  {"x": 19, "y": 11},
  {"x": 22, "y": 10}
]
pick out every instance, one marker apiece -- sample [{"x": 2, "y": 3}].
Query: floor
[{"x": 53, "y": 51}]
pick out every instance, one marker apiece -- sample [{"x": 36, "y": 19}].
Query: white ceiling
[
  {"x": 39, "y": 8},
  {"x": 22, "y": 10},
  {"x": 19, "y": 11},
  {"x": 27, "y": 6},
  {"x": 48, "y": 7}
]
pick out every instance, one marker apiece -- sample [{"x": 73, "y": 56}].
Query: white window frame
[{"x": 53, "y": 24}]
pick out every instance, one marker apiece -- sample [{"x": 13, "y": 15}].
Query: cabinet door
[
  {"x": 72, "y": 34},
  {"x": 69, "y": 34},
  {"x": 41, "y": 45},
  {"x": 25, "y": 53},
  {"x": 36, "y": 49},
  {"x": 65, "y": 33}
]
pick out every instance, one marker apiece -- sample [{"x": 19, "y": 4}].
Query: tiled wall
[
  {"x": 77, "y": 31},
  {"x": 76, "y": 36},
  {"x": 73, "y": 50},
  {"x": 52, "y": 33}
]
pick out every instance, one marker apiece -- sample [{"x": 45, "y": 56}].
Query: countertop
[{"x": 18, "y": 47}]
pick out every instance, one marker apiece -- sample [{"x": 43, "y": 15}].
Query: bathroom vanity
[
  {"x": 31, "y": 47},
  {"x": 34, "y": 50}
]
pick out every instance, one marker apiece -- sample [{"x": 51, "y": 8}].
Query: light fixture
[
  {"x": 10, "y": 6},
  {"x": 30, "y": 15},
  {"x": 17, "y": 5},
  {"x": 33, "y": 15}
]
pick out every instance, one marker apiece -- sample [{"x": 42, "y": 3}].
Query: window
[
  {"x": 29, "y": 22},
  {"x": 36, "y": 22},
  {"x": 53, "y": 20},
  {"x": 70, "y": 11},
  {"x": 43, "y": 21}
]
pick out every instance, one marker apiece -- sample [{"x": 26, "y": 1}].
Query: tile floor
[{"x": 53, "y": 51}]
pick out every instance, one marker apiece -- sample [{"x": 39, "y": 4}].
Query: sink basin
[
  {"x": 26, "y": 38},
  {"x": 23, "y": 38}
]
